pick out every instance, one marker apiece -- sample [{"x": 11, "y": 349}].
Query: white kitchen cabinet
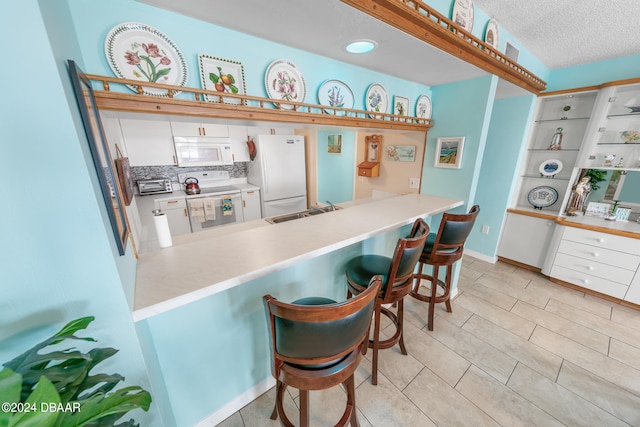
[
  {"x": 251, "y": 204},
  {"x": 238, "y": 137},
  {"x": 602, "y": 262},
  {"x": 525, "y": 239},
  {"x": 177, "y": 214},
  {"x": 614, "y": 129},
  {"x": 199, "y": 129},
  {"x": 148, "y": 142}
]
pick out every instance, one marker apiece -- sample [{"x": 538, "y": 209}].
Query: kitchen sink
[{"x": 302, "y": 214}]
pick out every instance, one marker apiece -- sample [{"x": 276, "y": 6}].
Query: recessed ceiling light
[{"x": 361, "y": 46}]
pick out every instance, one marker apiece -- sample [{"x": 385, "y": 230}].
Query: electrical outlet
[
  {"x": 414, "y": 182},
  {"x": 485, "y": 229}
]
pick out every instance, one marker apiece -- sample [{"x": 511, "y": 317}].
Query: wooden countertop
[{"x": 204, "y": 264}]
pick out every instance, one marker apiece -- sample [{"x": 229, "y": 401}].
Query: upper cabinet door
[
  {"x": 238, "y": 137},
  {"x": 199, "y": 129},
  {"x": 148, "y": 142}
]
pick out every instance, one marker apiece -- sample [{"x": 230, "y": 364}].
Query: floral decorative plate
[
  {"x": 491, "y": 35},
  {"x": 550, "y": 167},
  {"x": 630, "y": 136},
  {"x": 423, "y": 107},
  {"x": 334, "y": 93},
  {"x": 376, "y": 99},
  {"x": 285, "y": 82},
  {"x": 140, "y": 52},
  {"x": 542, "y": 196}
]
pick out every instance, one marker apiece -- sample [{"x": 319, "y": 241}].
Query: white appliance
[
  {"x": 217, "y": 204},
  {"x": 202, "y": 151},
  {"x": 280, "y": 172}
]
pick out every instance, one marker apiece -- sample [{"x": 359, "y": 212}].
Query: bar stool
[
  {"x": 398, "y": 279},
  {"x": 443, "y": 249},
  {"x": 317, "y": 343}
]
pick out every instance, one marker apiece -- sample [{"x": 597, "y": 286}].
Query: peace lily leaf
[
  {"x": 98, "y": 406},
  {"x": 9, "y": 392},
  {"x": 214, "y": 77},
  {"x": 44, "y": 392}
]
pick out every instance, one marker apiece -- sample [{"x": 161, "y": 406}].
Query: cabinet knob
[
  {"x": 591, "y": 268},
  {"x": 601, "y": 240},
  {"x": 585, "y": 281},
  {"x": 596, "y": 254}
]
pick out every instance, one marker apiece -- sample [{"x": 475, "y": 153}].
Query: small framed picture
[
  {"x": 334, "y": 144},
  {"x": 221, "y": 75},
  {"x": 400, "y": 105},
  {"x": 401, "y": 153},
  {"x": 449, "y": 152}
]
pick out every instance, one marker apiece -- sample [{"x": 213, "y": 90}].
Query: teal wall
[
  {"x": 595, "y": 73},
  {"x": 59, "y": 260},
  {"x": 506, "y": 142},
  {"x": 336, "y": 172},
  {"x": 631, "y": 188}
]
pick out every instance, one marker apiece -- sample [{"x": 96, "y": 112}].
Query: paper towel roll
[{"x": 162, "y": 230}]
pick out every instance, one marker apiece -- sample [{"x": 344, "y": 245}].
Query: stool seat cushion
[{"x": 361, "y": 269}]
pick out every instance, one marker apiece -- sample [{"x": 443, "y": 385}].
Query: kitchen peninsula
[{"x": 207, "y": 263}]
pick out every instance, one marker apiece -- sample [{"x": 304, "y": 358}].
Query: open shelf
[{"x": 191, "y": 103}]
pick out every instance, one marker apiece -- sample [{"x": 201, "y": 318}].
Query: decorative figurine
[
  {"x": 620, "y": 163},
  {"x": 556, "y": 140},
  {"x": 579, "y": 196},
  {"x": 608, "y": 160}
]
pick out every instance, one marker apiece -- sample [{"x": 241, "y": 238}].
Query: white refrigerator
[{"x": 279, "y": 170}]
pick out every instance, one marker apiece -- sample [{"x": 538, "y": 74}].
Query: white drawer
[
  {"x": 603, "y": 240},
  {"x": 601, "y": 255},
  {"x": 597, "y": 284},
  {"x": 595, "y": 269},
  {"x": 177, "y": 203}
]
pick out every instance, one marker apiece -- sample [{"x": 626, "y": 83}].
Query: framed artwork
[
  {"x": 400, "y": 105},
  {"x": 401, "y": 153},
  {"x": 102, "y": 161},
  {"x": 334, "y": 144},
  {"x": 221, "y": 75},
  {"x": 449, "y": 152}
]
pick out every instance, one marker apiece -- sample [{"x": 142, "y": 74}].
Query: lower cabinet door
[{"x": 526, "y": 239}]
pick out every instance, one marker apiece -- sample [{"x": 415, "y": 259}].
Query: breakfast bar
[
  {"x": 202, "y": 264},
  {"x": 198, "y": 308}
]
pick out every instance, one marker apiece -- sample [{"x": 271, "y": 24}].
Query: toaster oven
[{"x": 154, "y": 186}]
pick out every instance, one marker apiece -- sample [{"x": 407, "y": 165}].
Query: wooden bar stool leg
[
  {"x": 376, "y": 343},
  {"x": 400, "y": 326},
  {"x": 448, "y": 287},
  {"x": 279, "y": 389},
  {"x": 351, "y": 400},
  {"x": 432, "y": 299},
  {"x": 304, "y": 408}
]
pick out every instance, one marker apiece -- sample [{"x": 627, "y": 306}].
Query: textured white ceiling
[{"x": 562, "y": 33}]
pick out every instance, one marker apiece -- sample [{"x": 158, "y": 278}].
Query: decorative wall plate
[
  {"x": 630, "y": 136},
  {"x": 423, "y": 107},
  {"x": 376, "y": 99},
  {"x": 284, "y": 81},
  {"x": 334, "y": 93},
  {"x": 138, "y": 51},
  {"x": 550, "y": 167},
  {"x": 463, "y": 14},
  {"x": 542, "y": 196},
  {"x": 221, "y": 75},
  {"x": 492, "y": 35}
]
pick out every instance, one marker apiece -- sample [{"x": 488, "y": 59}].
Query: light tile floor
[{"x": 518, "y": 350}]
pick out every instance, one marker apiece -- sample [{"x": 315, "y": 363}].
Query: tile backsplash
[{"x": 238, "y": 170}]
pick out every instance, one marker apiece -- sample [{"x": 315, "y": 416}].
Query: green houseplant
[{"x": 57, "y": 389}]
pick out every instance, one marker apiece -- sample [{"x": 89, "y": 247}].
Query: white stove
[{"x": 218, "y": 203}]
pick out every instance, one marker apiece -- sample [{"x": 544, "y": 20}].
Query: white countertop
[
  {"x": 593, "y": 221},
  {"x": 205, "y": 263}
]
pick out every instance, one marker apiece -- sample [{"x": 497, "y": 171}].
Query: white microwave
[{"x": 202, "y": 151}]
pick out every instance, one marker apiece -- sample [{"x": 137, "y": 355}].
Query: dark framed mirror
[{"x": 100, "y": 152}]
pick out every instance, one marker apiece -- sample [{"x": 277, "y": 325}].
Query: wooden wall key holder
[{"x": 371, "y": 165}]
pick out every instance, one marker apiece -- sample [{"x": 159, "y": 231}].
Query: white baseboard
[
  {"x": 481, "y": 257},
  {"x": 238, "y": 403}
]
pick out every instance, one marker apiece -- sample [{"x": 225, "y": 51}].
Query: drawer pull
[{"x": 173, "y": 201}]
